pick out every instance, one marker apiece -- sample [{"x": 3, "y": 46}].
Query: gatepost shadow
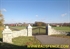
[
  {"x": 0, "y": 39},
  {"x": 68, "y": 34},
  {"x": 12, "y": 46}
]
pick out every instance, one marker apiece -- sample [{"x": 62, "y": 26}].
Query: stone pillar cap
[
  {"x": 49, "y": 26},
  {"x": 29, "y": 26},
  {"x": 7, "y": 27},
  {"x": 7, "y": 30}
]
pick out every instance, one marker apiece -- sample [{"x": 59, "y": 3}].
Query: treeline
[
  {"x": 52, "y": 24},
  {"x": 17, "y": 24},
  {"x": 39, "y": 24},
  {"x": 60, "y": 24}
]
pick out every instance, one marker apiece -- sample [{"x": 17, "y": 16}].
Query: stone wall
[
  {"x": 52, "y": 31},
  {"x": 9, "y": 34},
  {"x": 19, "y": 33}
]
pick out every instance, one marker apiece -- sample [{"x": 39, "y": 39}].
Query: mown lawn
[
  {"x": 66, "y": 29},
  {"x": 25, "y": 41},
  {"x": 18, "y": 27}
]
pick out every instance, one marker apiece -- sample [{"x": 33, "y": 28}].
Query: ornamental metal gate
[{"x": 39, "y": 31}]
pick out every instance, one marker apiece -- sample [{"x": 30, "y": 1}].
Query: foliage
[
  {"x": 1, "y": 21},
  {"x": 66, "y": 24},
  {"x": 60, "y": 24},
  {"x": 0, "y": 34},
  {"x": 39, "y": 24}
]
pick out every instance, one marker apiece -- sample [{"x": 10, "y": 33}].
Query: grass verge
[{"x": 25, "y": 41}]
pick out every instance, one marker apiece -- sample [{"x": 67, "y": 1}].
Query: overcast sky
[{"x": 49, "y": 11}]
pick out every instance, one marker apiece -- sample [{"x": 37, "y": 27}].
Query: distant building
[{"x": 57, "y": 25}]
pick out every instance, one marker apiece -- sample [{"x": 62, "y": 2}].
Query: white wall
[
  {"x": 9, "y": 34},
  {"x": 52, "y": 31}
]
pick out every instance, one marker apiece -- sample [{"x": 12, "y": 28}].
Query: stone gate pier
[{"x": 8, "y": 34}]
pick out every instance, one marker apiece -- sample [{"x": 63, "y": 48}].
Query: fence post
[
  {"x": 29, "y": 30},
  {"x": 7, "y": 35}
]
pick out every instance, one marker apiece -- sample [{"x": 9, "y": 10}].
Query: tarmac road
[{"x": 45, "y": 39}]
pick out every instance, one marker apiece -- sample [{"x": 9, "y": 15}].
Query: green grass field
[
  {"x": 66, "y": 29},
  {"x": 25, "y": 41},
  {"x": 18, "y": 28}
]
